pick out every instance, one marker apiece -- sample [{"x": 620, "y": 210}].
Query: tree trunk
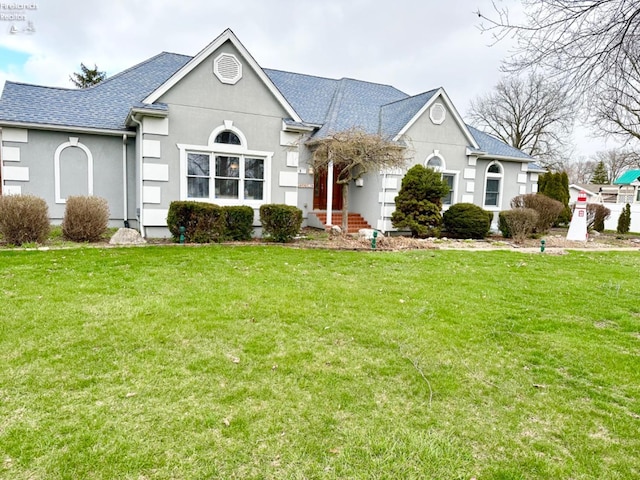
[{"x": 345, "y": 208}]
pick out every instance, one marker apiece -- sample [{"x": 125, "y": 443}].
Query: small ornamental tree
[
  {"x": 354, "y": 153},
  {"x": 624, "y": 220},
  {"x": 419, "y": 202}
]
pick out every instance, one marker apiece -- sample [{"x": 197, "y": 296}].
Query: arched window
[
  {"x": 493, "y": 185},
  {"x": 436, "y": 163},
  {"x": 228, "y": 137},
  {"x": 225, "y": 171}
]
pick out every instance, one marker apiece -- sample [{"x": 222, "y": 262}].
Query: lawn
[{"x": 263, "y": 362}]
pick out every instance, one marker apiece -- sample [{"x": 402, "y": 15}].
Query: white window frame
[
  {"x": 453, "y": 174},
  {"x": 223, "y": 149},
  {"x": 442, "y": 169},
  {"x": 493, "y": 176}
]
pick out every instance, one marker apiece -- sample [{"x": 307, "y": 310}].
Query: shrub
[
  {"x": 556, "y": 186},
  {"x": 238, "y": 222},
  {"x": 280, "y": 222},
  {"x": 419, "y": 202},
  {"x": 548, "y": 209},
  {"x": 517, "y": 223},
  {"x": 85, "y": 218},
  {"x": 596, "y": 216},
  {"x": 624, "y": 220},
  {"x": 466, "y": 220},
  {"x": 24, "y": 219},
  {"x": 203, "y": 222}
]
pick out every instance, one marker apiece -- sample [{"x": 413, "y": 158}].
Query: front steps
[{"x": 355, "y": 221}]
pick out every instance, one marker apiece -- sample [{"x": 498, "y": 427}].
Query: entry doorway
[{"x": 320, "y": 190}]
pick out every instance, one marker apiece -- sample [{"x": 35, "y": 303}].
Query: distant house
[{"x": 219, "y": 128}]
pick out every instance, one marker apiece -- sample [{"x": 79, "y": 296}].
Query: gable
[
  {"x": 203, "y": 69},
  {"x": 437, "y": 122},
  {"x": 201, "y": 88}
]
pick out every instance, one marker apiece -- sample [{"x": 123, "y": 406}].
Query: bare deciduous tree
[
  {"x": 591, "y": 45},
  {"x": 355, "y": 152},
  {"x": 617, "y": 161},
  {"x": 531, "y": 114}
]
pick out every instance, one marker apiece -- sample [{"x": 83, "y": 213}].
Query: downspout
[
  {"x": 139, "y": 160},
  {"x": 125, "y": 198}
]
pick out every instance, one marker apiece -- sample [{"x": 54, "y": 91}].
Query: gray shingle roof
[
  {"x": 394, "y": 116},
  {"x": 335, "y": 105},
  {"x": 103, "y": 106},
  {"x": 493, "y": 146}
]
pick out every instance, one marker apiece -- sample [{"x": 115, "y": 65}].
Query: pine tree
[
  {"x": 600, "y": 174},
  {"x": 87, "y": 76}
]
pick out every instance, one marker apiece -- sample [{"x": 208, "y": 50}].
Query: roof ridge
[
  {"x": 43, "y": 86},
  {"x": 302, "y": 74},
  {"x": 341, "y": 79},
  {"x": 409, "y": 97}
]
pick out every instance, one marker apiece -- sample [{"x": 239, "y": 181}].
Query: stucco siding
[{"x": 75, "y": 150}]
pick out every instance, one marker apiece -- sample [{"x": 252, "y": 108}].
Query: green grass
[{"x": 266, "y": 362}]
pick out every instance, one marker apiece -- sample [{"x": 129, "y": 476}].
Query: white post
[
  {"x": 578, "y": 227},
  {"x": 330, "y": 193}
]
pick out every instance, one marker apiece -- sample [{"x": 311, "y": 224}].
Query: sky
[{"x": 414, "y": 45}]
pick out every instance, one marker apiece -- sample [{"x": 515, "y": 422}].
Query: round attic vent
[
  {"x": 437, "y": 113},
  {"x": 227, "y": 68}
]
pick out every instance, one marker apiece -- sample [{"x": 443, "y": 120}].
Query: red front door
[{"x": 320, "y": 191}]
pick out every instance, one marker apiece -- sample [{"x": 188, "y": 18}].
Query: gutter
[
  {"x": 65, "y": 128},
  {"x": 139, "y": 160}
]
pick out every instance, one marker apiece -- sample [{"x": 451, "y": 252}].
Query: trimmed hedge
[
  {"x": 24, "y": 219},
  {"x": 466, "y": 220},
  {"x": 280, "y": 222},
  {"x": 203, "y": 222},
  {"x": 238, "y": 223},
  {"x": 86, "y": 218}
]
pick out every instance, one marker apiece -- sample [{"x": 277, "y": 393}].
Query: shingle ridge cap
[
  {"x": 409, "y": 97},
  {"x": 302, "y": 74}
]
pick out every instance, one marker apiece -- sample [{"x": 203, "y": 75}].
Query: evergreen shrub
[
  {"x": 238, "y": 223},
  {"x": 624, "y": 220},
  {"x": 419, "y": 202},
  {"x": 24, "y": 219},
  {"x": 466, "y": 220},
  {"x": 280, "y": 222},
  {"x": 203, "y": 222},
  {"x": 86, "y": 218}
]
